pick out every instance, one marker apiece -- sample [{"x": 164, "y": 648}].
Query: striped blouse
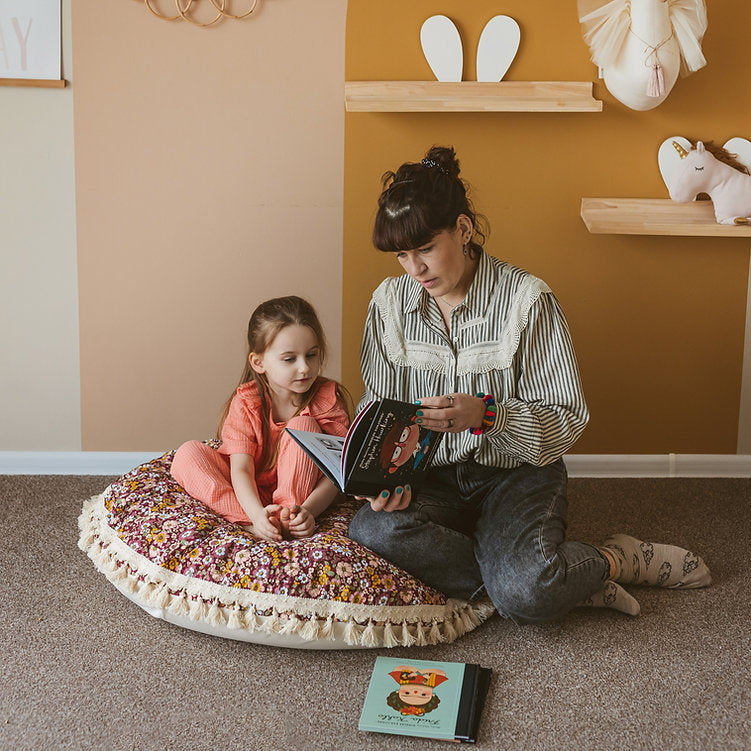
[{"x": 509, "y": 338}]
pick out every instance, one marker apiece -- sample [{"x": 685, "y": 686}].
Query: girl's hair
[
  {"x": 267, "y": 320},
  {"x": 420, "y": 200}
]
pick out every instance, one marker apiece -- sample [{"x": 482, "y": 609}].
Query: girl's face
[
  {"x": 291, "y": 362},
  {"x": 440, "y": 266}
]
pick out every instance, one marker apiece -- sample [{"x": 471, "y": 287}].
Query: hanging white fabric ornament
[{"x": 642, "y": 46}]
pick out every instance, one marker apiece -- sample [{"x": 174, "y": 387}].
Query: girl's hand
[
  {"x": 388, "y": 500},
  {"x": 266, "y": 524},
  {"x": 301, "y": 522},
  {"x": 452, "y": 413}
]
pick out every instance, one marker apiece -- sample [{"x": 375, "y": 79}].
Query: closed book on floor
[{"x": 425, "y": 698}]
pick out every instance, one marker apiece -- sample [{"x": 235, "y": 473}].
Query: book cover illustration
[
  {"x": 384, "y": 447},
  {"x": 425, "y": 698}
]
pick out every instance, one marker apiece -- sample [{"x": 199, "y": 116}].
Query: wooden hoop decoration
[
  {"x": 184, "y": 7},
  {"x": 184, "y": 13},
  {"x": 242, "y": 15},
  {"x": 159, "y": 15}
]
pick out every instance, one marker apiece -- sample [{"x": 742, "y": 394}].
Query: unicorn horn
[{"x": 681, "y": 151}]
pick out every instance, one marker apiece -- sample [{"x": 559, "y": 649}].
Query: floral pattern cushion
[{"x": 182, "y": 562}]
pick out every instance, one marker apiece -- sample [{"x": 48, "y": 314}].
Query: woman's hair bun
[{"x": 444, "y": 157}]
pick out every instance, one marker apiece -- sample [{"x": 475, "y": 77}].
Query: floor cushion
[{"x": 183, "y": 563}]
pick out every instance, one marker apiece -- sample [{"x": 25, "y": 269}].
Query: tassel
[
  {"x": 161, "y": 597},
  {"x": 420, "y": 639},
  {"x": 449, "y": 632},
  {"x": 252, "y": 621},
  {"x": 179, "y": 604},
  {"x": 291, "y": 625},
  {"x": 234, "y": 621},
  {"x": 131, "y": 584},
  {"x": 436, "y": 637},
  {"x": 369, "y": 638},
  {"x": 407, "y": 639},
  {"x": 146, "y": 591},
  {"x": 198, "y": 609},
  {"x": 474, "y": 618},
  {"x": 350, "y": 635},
  {"x": 389, "y": 637},
  {"x": 120, "y": 574},
  {"x": 656, "y": 82},
  {"x": 310, "y": 630},
  {"x": 459, "y": 624},
  {"x": 215, "y": 615},
  {"x": 327, "y": 630}
]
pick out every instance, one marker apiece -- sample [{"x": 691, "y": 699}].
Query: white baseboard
[
  {"x": 71, "y": 462},
  {"x": 658, "y": 465},
  {"x": 579, "y": 465}
]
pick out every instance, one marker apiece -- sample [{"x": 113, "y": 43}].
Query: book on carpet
[
  {"x": 384, "y": 448},
  {"x": 424, "y": 698}
]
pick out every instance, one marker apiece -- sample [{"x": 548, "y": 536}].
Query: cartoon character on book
[
  {"x": 401, "y": 444},
  {"x": 415, "y": 694}
]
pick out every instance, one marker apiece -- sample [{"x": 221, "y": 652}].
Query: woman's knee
[{"x": 528, "y": 598}]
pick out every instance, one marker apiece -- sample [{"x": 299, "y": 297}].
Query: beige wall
[
  {"x": 658, "y": 322},
  {"x": 209, "y": 177},
  {"x": 39, "y": 375}
]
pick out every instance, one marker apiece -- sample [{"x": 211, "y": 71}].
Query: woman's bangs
[{"x": 400, "y": 229}]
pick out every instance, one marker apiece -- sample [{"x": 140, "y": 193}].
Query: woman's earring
[{"x": 465, "y": 248}]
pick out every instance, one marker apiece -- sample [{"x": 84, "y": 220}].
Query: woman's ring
[
  {"x": 451, "y": 423},
  {"x": 451, "y": 400}
]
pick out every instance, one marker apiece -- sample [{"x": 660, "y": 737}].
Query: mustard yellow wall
[{"x": 658, "y": 322}]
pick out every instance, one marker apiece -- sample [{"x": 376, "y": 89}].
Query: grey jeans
[{"x": 472, "y": 526}]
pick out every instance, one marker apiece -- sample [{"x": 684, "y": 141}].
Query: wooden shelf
[
  {"x": 35, "y": 82},
  {"x": 655, "y": 216},
  {"x": 470, "y": 96}
]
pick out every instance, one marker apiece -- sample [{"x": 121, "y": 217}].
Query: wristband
[{"x": 491, "y": 412}]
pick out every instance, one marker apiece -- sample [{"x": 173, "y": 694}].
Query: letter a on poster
[{"x": 30, "y": 39}]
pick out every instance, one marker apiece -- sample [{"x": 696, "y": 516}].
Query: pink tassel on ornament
[{"x": 656, "y": 83}]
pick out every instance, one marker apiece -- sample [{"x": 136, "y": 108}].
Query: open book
[
  {"x": 383, "y": 448},
  {"x": 424, "y": 698}
]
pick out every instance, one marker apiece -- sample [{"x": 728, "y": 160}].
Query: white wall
[{"x": 39, "y": 374}]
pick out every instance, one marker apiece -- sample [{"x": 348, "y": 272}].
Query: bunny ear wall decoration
[{"x": 442, "y": 46}]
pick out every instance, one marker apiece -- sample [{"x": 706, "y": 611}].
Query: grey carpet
[{"x": 84, "y": 668}]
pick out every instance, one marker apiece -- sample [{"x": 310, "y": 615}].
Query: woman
[{"x": 484, "y": 349}]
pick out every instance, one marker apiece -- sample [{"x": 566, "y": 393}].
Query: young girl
[{"x": 259, "y": 477}]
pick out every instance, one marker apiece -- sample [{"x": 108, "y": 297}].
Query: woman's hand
[
  {"x": 452, "y": 413},
  {"x": 389, "y": 500}
]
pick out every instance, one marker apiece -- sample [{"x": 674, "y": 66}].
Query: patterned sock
[
  {"x": 613, "y": 596},
  {"x": 657, "y": 565}
]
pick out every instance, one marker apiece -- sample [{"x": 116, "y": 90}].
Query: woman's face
[{"x": 440, "y": 265}]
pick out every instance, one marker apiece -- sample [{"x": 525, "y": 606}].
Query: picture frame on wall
[{"x": 30, "y": 46}]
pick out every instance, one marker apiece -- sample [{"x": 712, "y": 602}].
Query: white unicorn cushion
[
  {"x": 181, "y": 562},
  {"x": 718, "y": 173}
]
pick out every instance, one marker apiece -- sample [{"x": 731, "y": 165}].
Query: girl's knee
[
  {"x": 187, "y": 455},
  {"x": 304, "y": 422}
]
